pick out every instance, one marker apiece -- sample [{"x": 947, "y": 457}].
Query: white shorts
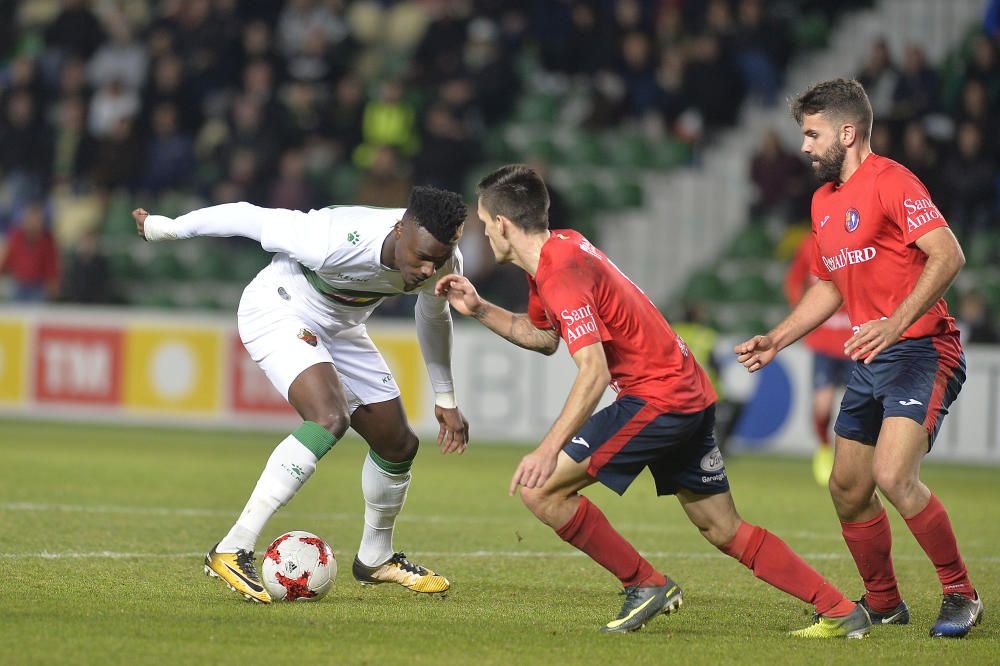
[{"x": 284, "y": 340}]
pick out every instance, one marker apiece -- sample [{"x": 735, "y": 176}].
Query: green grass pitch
[{"x": 103, "y": 531}]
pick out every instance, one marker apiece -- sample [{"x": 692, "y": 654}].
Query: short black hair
[
  {"x": 440, "y": 212},
  {"x": 519, "y": 194},
  {"x": 841, "y": 99}
]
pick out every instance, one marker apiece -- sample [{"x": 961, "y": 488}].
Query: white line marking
[{"x": 698, "y": 555}]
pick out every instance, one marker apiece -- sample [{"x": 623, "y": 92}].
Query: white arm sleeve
[
  {"x": 434, "y": 329},
  {"x": 303, "y": 236}
]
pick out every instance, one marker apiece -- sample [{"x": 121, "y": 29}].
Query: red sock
[
  {"x": 933, "y": 532},
  {"x": 870, "y": 543},
  {"x": 822, "y": 426},
  {"x": 590, "y": 531},
  {"x": 771, "y": 560}
]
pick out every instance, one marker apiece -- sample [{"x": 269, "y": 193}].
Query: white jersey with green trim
[{"x": 332, "y": 263}]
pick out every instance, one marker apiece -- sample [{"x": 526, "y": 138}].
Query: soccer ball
[{"x": 299, "y": 566}]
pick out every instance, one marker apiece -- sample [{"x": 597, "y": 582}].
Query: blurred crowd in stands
[
  {"x": 304, "y": 103},
  {"x": 174, "y": 104}
]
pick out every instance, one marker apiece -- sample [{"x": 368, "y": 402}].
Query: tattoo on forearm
[{"x": 524, "y": 334}]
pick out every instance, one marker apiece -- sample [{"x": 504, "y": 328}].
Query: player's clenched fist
[
  {"x": 755, "y": 353},
  {"x": 140, "y": 215},
  {"x": 460, "y": 293}
]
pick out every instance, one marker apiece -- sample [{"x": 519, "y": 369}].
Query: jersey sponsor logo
[
  {"x": 578, "y": 322},
  {"x": 919, "y": 212},
  {"x": 581, "y": 441},
  {"x": 852, "y": 219},
  {"x": 848, "y": 258},
  {"x": 712, "y": 461},
  {"x": 911, "y": 401},
  {"x": 308, "y": 337},
  {"x": 682, "y": 346}
]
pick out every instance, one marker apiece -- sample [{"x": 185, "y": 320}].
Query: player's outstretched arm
[
  {"x": 818, "y": 303},
  {"x": 944, "y": 261},
  {"x": 516, "y": 328}
]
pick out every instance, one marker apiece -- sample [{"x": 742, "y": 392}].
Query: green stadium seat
[
  {"x": 749, "y": 289},
  {"x": 166, "y": 265},
  {"x": 581, "y": 149},
  {"x": 668, "y": 153},
  {"x": 585, "y": 196},
  {"x": 625, "y": 192},
  {"x": 538, "y": 108},
  {"x": 628, "y": 151},
  {"x": 751, "y": 243},
  {"x": 705, "y": 285},
  {"x": 983, "y": 249}
]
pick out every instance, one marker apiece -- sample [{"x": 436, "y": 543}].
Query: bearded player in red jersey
[
  {"x": 663, "y": 418},
  {"x": 882, "y": 248},
  {"x": 831, "y": 367}
]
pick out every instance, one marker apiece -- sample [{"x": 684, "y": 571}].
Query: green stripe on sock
[
  {"x": 401, "y": 467},
  {"x": 315, "y": 437}
]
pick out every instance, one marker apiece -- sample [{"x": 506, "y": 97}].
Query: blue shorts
[
  {"x": 831, "y": 370},
  {"x": 630, "y": 435},
  {"x": 917, "y": 379}
]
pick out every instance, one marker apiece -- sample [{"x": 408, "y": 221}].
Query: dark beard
[{"x": 830, "y": 164}]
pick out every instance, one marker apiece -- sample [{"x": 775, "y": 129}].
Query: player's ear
[
  {"x": 398, "y": 228},
  {"x": 848, "y": 134}
]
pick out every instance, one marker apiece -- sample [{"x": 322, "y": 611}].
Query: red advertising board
[
  {"x": 251, "y": 390},
  {"x": 78, "y": 365}
]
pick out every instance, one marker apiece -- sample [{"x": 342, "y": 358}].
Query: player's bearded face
[{"x": 828, "y": 164}]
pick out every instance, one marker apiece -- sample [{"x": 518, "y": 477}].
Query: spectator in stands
[
  {"x": 344, "y": 115},
  {"x": 112, "y": 103},
  {"x": 169, "y": 156},
  {"x": 879, "y": 76},
  {"x": 118, "y": 157},
  {"x": 779, "y": 178},
  {"x": 121, "y": 58},
  {"x": 386, "y": 183},
  {"x": 73, "y": 148},
  {"x": 167, "y": 85},
  {"x": 984, "y": 67},
  {"x": 88, "y": 275},
  {"x": 446, "y": 151},
  {"x": 761, "y": 50},
  {"x": 921, "y": 157},
  {"x": 389, "y": 120},
  {"x": 76, "y": 31},
  {"x": 975, "y": 109},
  {"x": 975, "y": 321},
  {"x": 970, "y": 183},
  {"x": 292, "y": 189},
  {"x": 916, "y": 88},
  {"x": 25, "y": 147},
  {"x": 31, "y": 258}
]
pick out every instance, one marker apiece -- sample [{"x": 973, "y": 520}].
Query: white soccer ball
[{"x": 298, "y": 566}]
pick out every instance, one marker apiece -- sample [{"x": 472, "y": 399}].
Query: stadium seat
[
  {"x": 752, "y": 243},
  {"x": 627, "y": 150},
  {"x": 538, "y": 108},
  {"x": 668, "y": 153},
  {"x": 581, "y": 148},
  {"x": 584, "y": 195},
  {"x": 705, "y": 285}
]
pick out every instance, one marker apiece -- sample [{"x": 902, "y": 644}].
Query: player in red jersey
[
  {"x": 831, "y": 366},
  {"x": 882, "y": 248},
  {"x": 662, "y": 419}
]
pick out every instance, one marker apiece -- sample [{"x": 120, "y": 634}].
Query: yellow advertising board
[
  {"x": 173, "y": 368},
  {"x": 13, "y": 342}
]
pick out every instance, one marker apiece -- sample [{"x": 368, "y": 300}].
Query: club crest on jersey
[
  {"x": 308, "y": 337},
  {"x": 852, "y": 219}
]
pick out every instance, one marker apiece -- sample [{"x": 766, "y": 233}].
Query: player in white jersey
[{"x": 302, "y": 319}]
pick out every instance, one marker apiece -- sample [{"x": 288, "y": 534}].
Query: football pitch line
[
  {"x": 699, "y": 555},
  {"x": 421, "y": 518}
]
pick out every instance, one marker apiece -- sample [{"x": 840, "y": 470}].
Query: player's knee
[
  {"x": 335, "y": 421},
  {"x": 538, "y": 502},
  {"x": 401, "y": 446},
  {"x": 896, "y": 485}
]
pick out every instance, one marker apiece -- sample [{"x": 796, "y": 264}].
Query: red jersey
[
  {"x": 865, "y": 233},
  {"x": 830, "y": 336},
  {"x": 578, "y": 292}
]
